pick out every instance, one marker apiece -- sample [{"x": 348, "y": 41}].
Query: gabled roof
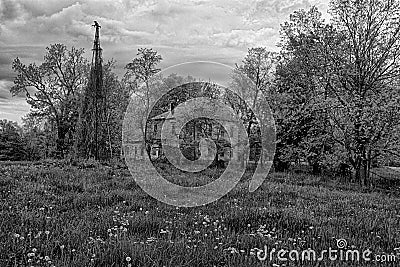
[{"x": 163, "y": 116}]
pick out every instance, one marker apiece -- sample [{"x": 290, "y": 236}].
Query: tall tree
[
  {"x": 252, "y": 81},
  {"x": 53, "y": 88},
  {"x": 349, "y": 71},
  {"x": 141, "y": 85},
  {"x": 117, "y": 103},
  {"x": 364, "y": 79},
  {"x": 259, "y": 67},
  {"x": 299, "y": 95}
]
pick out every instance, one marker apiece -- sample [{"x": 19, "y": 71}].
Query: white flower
[
  {"x": 232, "y": 250},
  {"x": 128, "y": 259}
]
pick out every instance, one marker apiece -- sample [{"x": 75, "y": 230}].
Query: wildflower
[
  {"x": 34, "y": 250},
  {"x": 232, "y": 250},
  {"x": 46, "y": 258},
  {"x": 128, "y": 259},
  {"x": 31, "y": 254}
]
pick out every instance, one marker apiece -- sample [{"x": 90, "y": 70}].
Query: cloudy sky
[{"x": 180, "y": 30}]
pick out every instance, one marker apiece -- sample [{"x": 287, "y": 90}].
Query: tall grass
[{"x": 71, "y": 216}]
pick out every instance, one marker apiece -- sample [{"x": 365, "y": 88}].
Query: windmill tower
[{"x": 93, "y": 122}]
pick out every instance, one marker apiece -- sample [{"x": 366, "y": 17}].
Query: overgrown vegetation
[
  {"x": 333, "y": 89},
  {"x": 56, "y": 214}
]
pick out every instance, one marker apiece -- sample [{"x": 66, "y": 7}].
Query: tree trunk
[
  {"x": 316, "y": 168},
  {"x": 362, "y": 171},
  {"x": 61, "y": 134},
  {"x": 365, "y": 172}
]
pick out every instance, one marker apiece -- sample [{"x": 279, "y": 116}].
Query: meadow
[{"x": 55, "y": 214}]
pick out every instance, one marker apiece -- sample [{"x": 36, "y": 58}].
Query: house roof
[
  {"x": 169, "y": 116},
  {"x": 163, "y": 116}
]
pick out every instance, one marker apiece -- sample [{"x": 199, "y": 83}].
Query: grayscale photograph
[{"x": 199, "y": 133}]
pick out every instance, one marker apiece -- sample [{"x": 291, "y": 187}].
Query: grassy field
[{"x": 59, "y": 215}]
